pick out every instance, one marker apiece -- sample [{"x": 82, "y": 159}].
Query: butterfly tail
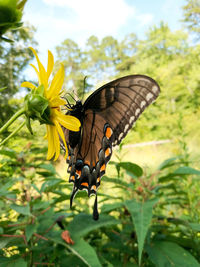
[
  {"x": 95, "y": 210},
  {"x": 72, "y": 196}
]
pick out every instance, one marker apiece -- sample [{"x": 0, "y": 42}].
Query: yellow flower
[{"x": 52, "y": 94}]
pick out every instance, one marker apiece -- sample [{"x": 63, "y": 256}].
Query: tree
[
  {"x": 192, "y": 16},
  {"x": 14, "y": 57}
]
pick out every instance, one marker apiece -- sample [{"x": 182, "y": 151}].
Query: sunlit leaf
[
  {"x": 141, "y": 213},
  {"x": 25, "y": 210},
  {"x": 164, "y": 254},
  {"x": 88, "y": 224}
]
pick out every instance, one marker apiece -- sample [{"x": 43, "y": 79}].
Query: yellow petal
[
  {"x": 57, "y": 83},
  {"x": 51, "y": 150},
  {"x": 60, "y": 131},
  {"x": 68, "y": 121},
  {"x": 57, "y": 101},
  {"x": 28, "y": 85},
  {"x": 42, "y": 71},
  {"x": 50, "y": 64},
  {"x": 37, "y": 72}
]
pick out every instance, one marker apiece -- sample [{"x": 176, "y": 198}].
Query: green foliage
[
  {"x": 153, "y": 222},
  {"x": 10, "y": 15},
  {"x": 192, "y": 16},
  {"x": 15, "y": 57}
]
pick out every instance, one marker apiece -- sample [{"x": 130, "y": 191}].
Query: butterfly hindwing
[{"x": 87, "y": 162}]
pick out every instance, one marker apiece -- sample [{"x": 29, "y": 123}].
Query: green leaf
[
  {"x": 141, "y": 213},
  {"x": 133, "y": 169},
  {"x": 195, "y": 226},
  {"x": 110, "y": 207},
  {"x": 85, "y": 252},
  {"x": 25, "y": 210},
  {"x": 186, "y": 170},
  {"x": 13, "y": 262},
  {"x": 88, "y": 224},
  {"x": 4, "y": 190},
  {"x": 168, "y": 163},
  {"x": 81, "y": 249},
  {"x": 30, "y": 229},
  {"x": 4, "y": 241},
  {"x": 2, "y": 88},
  {"x": 48, "y": 167},
  {"x": 8, "y": 152},
  {"x": 48, "y": 185},
  {"x": 167, "y": 254}
]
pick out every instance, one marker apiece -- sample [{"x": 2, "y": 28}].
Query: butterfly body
[{"x": 106, "y": 117}]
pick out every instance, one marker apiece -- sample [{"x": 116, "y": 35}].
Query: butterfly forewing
[{"x": 122, "y": 101}]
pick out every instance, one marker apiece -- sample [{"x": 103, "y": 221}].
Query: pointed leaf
[
  {"x": 25, "y": 210},
  {"x": 131, "y": 168},
  {"x": 110, "y": 207},
  {"x": 168, "y": 163},
  {"x": 141, "y": 213},
  {"x": 88, "y": 224},
  {"x": 166, "y": 254},
  {"x": 14, "y": 261},
  {"x": 80, "y": 248},
  {"x": 84, "y": 251},
  {"x": 186, "y": 170},
  {"x": 30, "y": 229}
]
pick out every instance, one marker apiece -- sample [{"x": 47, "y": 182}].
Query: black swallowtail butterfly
[{"x": 106, "y": 117}]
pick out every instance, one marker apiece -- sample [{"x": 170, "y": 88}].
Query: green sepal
[
  {"x": 28, "y": 125},
  {"x": 37, "y": 107},
  {"x": 39, "y": 90}
]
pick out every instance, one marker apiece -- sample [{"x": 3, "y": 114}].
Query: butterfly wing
[
  {"x": 109, "y": 114},
  {"x": 121, "y": 102}
]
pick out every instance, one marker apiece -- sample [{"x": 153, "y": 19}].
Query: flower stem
[
  {"x": 12, "y": 119},
  {"x": 13, "y": 133}
]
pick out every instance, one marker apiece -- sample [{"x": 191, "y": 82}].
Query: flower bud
[{"x": 37, "y": 107}]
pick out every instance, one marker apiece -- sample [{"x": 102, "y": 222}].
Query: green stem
[
  {"x": 12, "y": 119},
  {"x": 13, "y": 133}
]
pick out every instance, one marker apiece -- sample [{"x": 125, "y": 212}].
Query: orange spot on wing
[
  {"x": 72, "y": 177},
  {"x": 69, "y": 157},
  {"x": 98, "y": 180},
  {"x": 78, "y": 172},
  {"x": 87, "y": 162},
  {"x": 94, "y": 187},
  {"x": 107, "y": 152},
  {"x": 85, "y": 184},
  {"x": 108, "y": 132},
  {"x": 103, "y": 167}
]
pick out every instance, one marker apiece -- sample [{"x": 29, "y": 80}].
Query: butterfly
[{"x": 106, "y": 117}]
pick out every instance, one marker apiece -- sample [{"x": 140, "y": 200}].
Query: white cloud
[
  {"x": 57, "y": 20},
  {"x": 102, "y": 17},
  {"x": 144, "y": 19}
]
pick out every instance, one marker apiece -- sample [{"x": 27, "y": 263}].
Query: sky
[{"x": 57, "y": 20}]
